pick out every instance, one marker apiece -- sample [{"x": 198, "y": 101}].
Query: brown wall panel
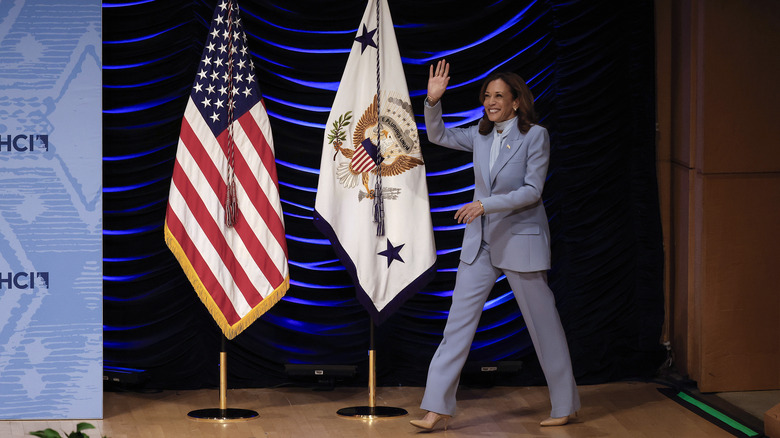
[
  {"x": 740, "y": 334},
  {"x": 682, "y": 68},
  {"x": 740, "y": 56},
  {"x": 680, "y": 321},
  {"x": 721, "y": 59}
]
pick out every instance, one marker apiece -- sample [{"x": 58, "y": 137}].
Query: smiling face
[{"x": 498, "y": 101}]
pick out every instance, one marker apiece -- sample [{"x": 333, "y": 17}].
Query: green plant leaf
[
  {"x": 84, "y": 426},
  {"x": 47, "y": 433}
]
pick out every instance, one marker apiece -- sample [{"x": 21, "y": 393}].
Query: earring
[{"x": 515, "y": 108}]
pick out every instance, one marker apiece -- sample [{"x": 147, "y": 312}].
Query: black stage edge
[{"x": 677, "y": 384}]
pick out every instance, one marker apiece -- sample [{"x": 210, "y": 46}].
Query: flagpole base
[
  {"x": 370, "y": 413},
  {"x": 216, "y": 415}
]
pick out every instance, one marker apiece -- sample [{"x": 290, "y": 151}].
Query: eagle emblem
[{"x": 398, "y": 141}]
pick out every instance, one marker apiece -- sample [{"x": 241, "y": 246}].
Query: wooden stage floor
[{"x": 625, "y": 409}]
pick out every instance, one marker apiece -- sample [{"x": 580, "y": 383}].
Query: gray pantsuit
[{"x": 511, "y": 238}]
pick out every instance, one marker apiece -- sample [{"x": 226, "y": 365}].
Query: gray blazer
[{"x": 515, "y": 222}]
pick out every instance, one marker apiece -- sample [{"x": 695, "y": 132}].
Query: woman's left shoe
[
  {"x": 554, "y": 421},
  {"x": 429, "y": 421}
]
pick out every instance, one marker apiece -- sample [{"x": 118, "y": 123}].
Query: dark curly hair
[{"x": 526, "y": 116}]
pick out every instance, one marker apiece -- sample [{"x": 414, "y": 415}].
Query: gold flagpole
[
  {"x": 372, "y": 378},
  {"x": 223, "y": 414},
  {"x": 372, "y": 411}
]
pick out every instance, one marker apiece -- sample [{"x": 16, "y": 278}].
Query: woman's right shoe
[
  {"x": 428, "y": 422},
  {"x": 554, "y": 421}
]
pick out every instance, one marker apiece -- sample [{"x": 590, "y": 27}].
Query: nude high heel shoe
[
  {"x": 428, "y": 422},
  {"x": 555, "y": 421}
]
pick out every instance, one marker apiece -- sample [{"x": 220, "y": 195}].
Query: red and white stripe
[
  {"x": 237, "y": 267},
  {"x": 361, "y": 161}
]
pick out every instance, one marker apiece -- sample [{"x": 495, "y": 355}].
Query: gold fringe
[{"x": 229, "y": 331}]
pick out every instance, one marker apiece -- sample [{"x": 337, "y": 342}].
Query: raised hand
[{"x": 437, "y": 81}]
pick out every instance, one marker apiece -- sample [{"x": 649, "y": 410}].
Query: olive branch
[{"x": 337, "y": 134}]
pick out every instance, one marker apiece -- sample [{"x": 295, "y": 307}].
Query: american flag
[{"x": 237, "y": 262}]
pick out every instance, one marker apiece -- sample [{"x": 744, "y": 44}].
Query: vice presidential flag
[
  {"x": 224, "y": 221},
  {"x": 371, "y": 134}
]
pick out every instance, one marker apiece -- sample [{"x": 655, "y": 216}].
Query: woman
[{"x": 506, "y": 233}]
